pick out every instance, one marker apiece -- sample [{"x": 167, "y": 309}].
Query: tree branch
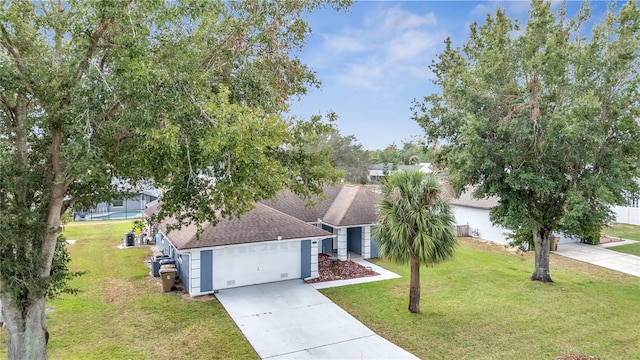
[
  {"x": 114, "y": 109},
  {"x": 93, "y": 45},
  {"x": 6, "y": 43}
]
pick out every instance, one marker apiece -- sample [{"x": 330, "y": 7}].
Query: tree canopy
[
  {"x": 191, "y": 95},
  {"x": 348, "y": 154},
  {"x": 411, "y": 153},
  {"x": 544, "y": 117}
]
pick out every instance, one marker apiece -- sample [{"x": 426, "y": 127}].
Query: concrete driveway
[
  {"x": 599, "y": 255},
  {"x": 292, "y": 320}
]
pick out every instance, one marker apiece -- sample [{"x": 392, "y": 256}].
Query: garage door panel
[{"x": 254, "y": 264}]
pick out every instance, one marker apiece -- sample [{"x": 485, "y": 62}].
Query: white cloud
[
  {"x": 365, "y": 75},
  {"x": 397, "y": 19},
  {"x": 482, "y": 10},
  {"x": 410, "y": 45},
  {"x": 345, "y": 44},
  {"x": 389, "y": 45}
]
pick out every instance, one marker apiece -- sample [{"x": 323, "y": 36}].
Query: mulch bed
[
  {"x": 329, "y": 270},
  {"x": 604, "y": 239}
]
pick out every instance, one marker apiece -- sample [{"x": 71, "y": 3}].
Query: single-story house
[
  {"x": 474, "y": 213},
  {"x": 377, "y": 172},
  {"x": 130, "y": 207},
  {"x": 278, "y": 240}
]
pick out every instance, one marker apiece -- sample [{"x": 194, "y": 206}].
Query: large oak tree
[
  {"x": 189, "y": 94},
  {"x": 544, "y": 117}
]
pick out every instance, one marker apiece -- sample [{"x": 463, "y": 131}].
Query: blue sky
[{"x": 373, "y": 60}]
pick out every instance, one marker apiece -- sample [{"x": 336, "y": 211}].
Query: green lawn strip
[
  {"x": 633, "y": 249},
  {"x": 481, "y": 305},
  {"x": 625, "y": 231},
  {"x": 121, "y": 312}
]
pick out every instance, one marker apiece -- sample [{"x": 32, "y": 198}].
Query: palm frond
[{"x": 414, "y": 221}]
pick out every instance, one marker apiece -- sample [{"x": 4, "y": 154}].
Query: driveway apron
[
  {"x": 599, "y": 255},
  {"x": 292, "y": 320}
]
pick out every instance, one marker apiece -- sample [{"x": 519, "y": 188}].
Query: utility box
[
  {"x": 553, "y": 243},
  {"x": 129, "y": 239}
]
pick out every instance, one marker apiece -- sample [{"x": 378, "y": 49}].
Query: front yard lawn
[
  {"x": 633, "y": 249},
  {"x": 121, "y": 312},
  {"x": 482, "y": 305},
  {"x": 625, "y": 231}
]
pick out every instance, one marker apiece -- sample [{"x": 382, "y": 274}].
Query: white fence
[{"x": 627, "y": 215}]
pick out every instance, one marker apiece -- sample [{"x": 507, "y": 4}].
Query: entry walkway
[
  {"x": 601, "y": 256},
  {"x": 292, "y": 320}
]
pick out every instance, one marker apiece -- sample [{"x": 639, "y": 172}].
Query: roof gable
[
  {"x": 343, "y": 205},
  {"x": 466, "y": 199}
]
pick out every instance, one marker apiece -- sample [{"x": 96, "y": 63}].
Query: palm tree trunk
[{"x": 414, "y": 286}]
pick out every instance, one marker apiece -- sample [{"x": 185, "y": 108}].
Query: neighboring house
[
  {"x": 278, "y": 240},
  {"x": 377, "y": 172},
  {"x": 474, "y": 213},
  {"x": 122, "y": 208}
]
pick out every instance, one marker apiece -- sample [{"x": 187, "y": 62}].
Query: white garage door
[{"x": 255, "y": 264}]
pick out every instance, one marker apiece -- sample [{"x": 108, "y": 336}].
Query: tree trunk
[
  {"x": 414, "y": 286},
  {"x": 541, "y": 242},
  {"x": 26, "y": 323},
  {"x": 27, "y": 332}
]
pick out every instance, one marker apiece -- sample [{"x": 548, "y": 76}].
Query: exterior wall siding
[
  {"x": 166, "y": 246},
  {"x": 183, "y": 269},
  {"x": 194, "y": 279},
  {"x": 327, "y": 245},
  {"x": 480, "y": 225},
  {"x": 206, "y": 271},
  {"x": 137, "y": 203},
  {"x": 366, "y": 242},
  {"x": 305, "y": 258},
  {"x": 374, "y": 248},
  {"x": 342, "y": 244},
  {"x": 315, "y": 245},
  {"x": 354, "y": 240}
]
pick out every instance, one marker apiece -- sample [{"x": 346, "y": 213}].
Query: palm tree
[{"x": 415, "y": 225}]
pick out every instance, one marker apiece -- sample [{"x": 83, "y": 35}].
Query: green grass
[
  {"x": 121, "y": 312},
  {"x": 625, "y": 231},
  {"x": 633, "y": 249},
  {"x": 481, "y": 305}
]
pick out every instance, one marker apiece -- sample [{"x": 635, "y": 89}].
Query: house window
[{"x": 117, "y": 203}]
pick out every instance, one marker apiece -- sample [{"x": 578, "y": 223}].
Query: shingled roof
[
  {"x": 343, "y": 205},
  {"x": 467, "y": 199},
  {"x": 261, "y": 224}
]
